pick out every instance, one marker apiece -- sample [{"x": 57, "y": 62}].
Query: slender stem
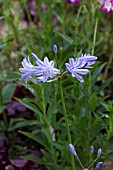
[
  {"x": 94, "y": 38},
  {"x": 108, "y": 66},
  {"x": 76, "y": 29},
  {"x": 5, "y": 120},
  {"x": 90, "y": 84},
  {"x": 48, "y": 126},
  {"x": 67, "y": 123},
  {"x": 92, "y": 163},
  {"x": 80, "y": 162}
]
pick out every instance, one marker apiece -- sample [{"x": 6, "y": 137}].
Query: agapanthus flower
[
  {"x": 99, "y": 165},
  {"x": 80, "y": 65},
  {"x": 44, "y": 70},
  {"x": 107, "y": 5},
  {"x": 72, "y": 149},
  {"x": 73, "y": 1}
]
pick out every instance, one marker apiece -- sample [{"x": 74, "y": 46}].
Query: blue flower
[
  {"x": 99, "y": 165},
  {"x": 72, "y": 149},
  {"x": 79, "y": 66},
  {"x": 44, "y": 70}
]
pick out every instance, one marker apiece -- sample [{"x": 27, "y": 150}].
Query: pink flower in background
[
  {"x": 107, "y": 5},
  {"x": 73, "y": 1},
  {"x": 52, "y": 132}
]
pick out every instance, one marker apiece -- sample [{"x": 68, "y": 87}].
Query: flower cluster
[
  {"x": 99, "y": 164},
  {"x": 80, "y": 65},
  {"x": 45, "y": 69}
]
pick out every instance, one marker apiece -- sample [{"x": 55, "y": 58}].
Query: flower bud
[
  {"x": 72, "y": 149},
  {"x": 91, "y": 149},
  {"x": 99, "y": 152},
  {"x": 99, "y": 165},
  {"x": 55, "y": 49}
]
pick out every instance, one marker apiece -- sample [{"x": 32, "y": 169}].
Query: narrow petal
[
  {"x": 24, "y": 76},
  {"x": 46, "y": 61},
  {"x": 56, "y": 71},
  {"x": 33, "y": 56},
  {"x": 52, "y": 63},
  {"x": 40, "y": 63},
  {"x": 81, "y": 71},
  {"x": 39, "y": 79},
  {"x": 80, "y": 78},
  {"x": 45, "y": 77},
  {"x": 72, "y": 62}
]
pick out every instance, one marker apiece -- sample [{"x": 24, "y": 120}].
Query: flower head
[
  {"x": 72, "y": 149},
  {"x": 99, "y": 165},
  {"x": 44, "y": 70},
  {"x": 73, "y": 1},
  {"x": 79, "y": 66},
  {"x": 107, "y": 5},
  {"x": 91, "y": 149}
]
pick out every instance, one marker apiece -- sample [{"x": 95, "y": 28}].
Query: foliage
[{"x": 80, "y": 113}]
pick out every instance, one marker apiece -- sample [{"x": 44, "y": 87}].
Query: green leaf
[
  {"x": 104, "y": 84},
  {"x": 12, "y": 77},
  {"x": 41, "y": 161},
  {"x": 58, "y": 17},
  {"x": 29, "y": 105},
  {"x": 34, "y": 159},
  {"x": 2, "y": 108},
  {"x": 7, "y": 92},
  {"x": 96, "y": 73},
  {"x": 92, "y": 102},
  {"x": 47, "y": 90},
  {"x": 35, "y": 138},
  {"x": 20, "y": 124},
  {"x": 65, "y": 37}
]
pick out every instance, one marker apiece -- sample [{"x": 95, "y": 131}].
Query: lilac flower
[
  {"x": 107, "y": 5},
  {"x": 44, "y": 70},
  {"x": 72, "y": 149},
  {"x": 91, "y": 149},
  {"x": 99, "y": 152},
  {"x": 55, "y": 49},
  {"x": 79, "y": 65},
  {"x": 73, "y": 1},
  {"x": 99, "y": 165}
]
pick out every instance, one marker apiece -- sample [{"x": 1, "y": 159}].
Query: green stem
[
  {"x": 67, "y": 123},
  {"x": 48, "y": 126},
  {"x": 94, "y": 38},
  {"x": 80, "y": 162},
  {"x": 92, "y": 163},
  {"x": 5, "y": 120},
  {"x": 90, "y": 84},
  {"x": 76, "y": 29},
  {"x": 108, "y": 66}
]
